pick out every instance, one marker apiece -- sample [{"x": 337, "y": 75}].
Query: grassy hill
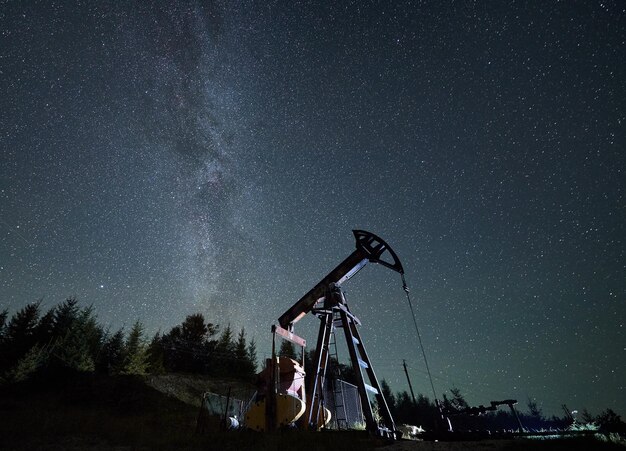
[
  {"x": 92, "y": 412},
  {"x": 86, "y": 411}
]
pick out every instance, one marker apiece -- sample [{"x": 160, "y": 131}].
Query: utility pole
[{"x": 408, "y": 380}]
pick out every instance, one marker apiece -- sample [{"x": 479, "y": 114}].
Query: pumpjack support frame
[
  {"x": 327, "y": 301},
  {"x": 336, "y": 310}
]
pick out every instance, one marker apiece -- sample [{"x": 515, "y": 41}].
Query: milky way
[{"x": 214, "y": 157}]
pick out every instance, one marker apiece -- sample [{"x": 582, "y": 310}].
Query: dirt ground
[
  {"x": 508, "y": 445},
  {"x": 406, "y": 445}
]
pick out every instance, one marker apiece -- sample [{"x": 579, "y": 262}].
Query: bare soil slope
[{"x": 90, "y": 412}]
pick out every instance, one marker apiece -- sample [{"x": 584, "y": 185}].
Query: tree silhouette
[
  {"x": 195, "y": 329},
  {"x": 77, "y": 337},
  {"x": 240, "y": 347},
  {"x": 252, "y": 355},
  {"x": 456, "y": 402},
  {"x": 245, "y": 367},
  {"x": 156, "y": 355},
  {"x": 225, "y": 345},
  {"x": 404, "y": 408},
  {"x": 93, "y": 333},
  {"x": 189, "y": 347},
  {"x": 287, "y": 349},
  {"x": 586, "y": 417},
  {"x": 72, "y": 351},
  {"x": 224, "y": 361},
  {"x": 30, "y": 363},
  {"x": 70, "y": 337},
  {"x": 3, "y": 358},
  {"x": 18, "y": 336},
  {"x": 3, "y": 320},
  {"x": 64, "y": 316},
  {"x": 610, "y": 421},
  {"x": 388, "y": 395},
  {"x": 533, "y": 419},
  {"x": 113, "y": 354},
  {"x": 136, "y": 353},
  {"x": 45, "y": 327},
  {"x": 533, "y": 409}
]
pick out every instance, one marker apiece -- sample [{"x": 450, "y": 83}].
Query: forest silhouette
[{"x": 68, "y": 339}]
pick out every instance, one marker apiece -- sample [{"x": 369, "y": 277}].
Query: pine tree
[
  {"x": 287, "y": 349},
  {"x": 4, "y": 364},
  {"x": 225, "y": 346},
  {"x": 246, "y": 368},
  {"x": 112, "y": 357},
  {"x": 224, "y": 361},
  {"x": 240, "y": 347},
  {"x": 425, "y": 412},
  {"x": 3, "y": 320},
  {"x": 79, "y": 337},
  {"x": 93, "y": 333},
  {"x": 458, "y": 400},
  {"x": 610, "y": 421},
  {"x": 72, "y": 349},
  {"x": 19, "y": 336},
  {"x": 388, "y": 395},
  {"x": 156, "y": 355},
  {"x": 404, "y": 408},
  {"x": 533, "y": 409},
  {"x": 31, "y": 362},
  {"x": 45, "y": 328},
  {"x": 136, "y": 355},
  {"x": 64, "y": 316},
  {"x": 21, "y": 328},
  {"x": 66, "y": 351},
  {"x": 534, "y": 418}
]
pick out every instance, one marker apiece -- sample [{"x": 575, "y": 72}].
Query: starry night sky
[{"x": 214, "y": 157}]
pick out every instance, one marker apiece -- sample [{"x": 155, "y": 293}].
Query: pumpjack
[{"x": 282, "y": 397}]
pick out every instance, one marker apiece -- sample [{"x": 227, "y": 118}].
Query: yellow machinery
[{"x": 288, "y": 398}]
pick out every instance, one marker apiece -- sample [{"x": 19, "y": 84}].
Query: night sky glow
[{"x": 214, "y": 156}]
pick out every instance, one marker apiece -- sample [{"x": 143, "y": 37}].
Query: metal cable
[{"x": 419, "y": 336}]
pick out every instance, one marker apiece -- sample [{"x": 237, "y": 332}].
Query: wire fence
[{"x": 344, "y": 403}]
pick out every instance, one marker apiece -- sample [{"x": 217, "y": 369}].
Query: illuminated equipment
[
  {"x": 482, "y": 409},
  {"x": 281, "y": 396},
  {"x": 281, "y": 405}
]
